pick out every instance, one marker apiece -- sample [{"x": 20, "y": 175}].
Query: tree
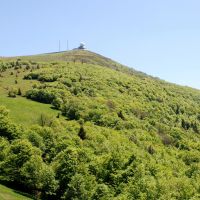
[
  {"x": 57, "y": 102},
  {"x": 82, "y": 133},
  {"x": 103, "y": 192},
  {"x": 19, "y": 92},
  {"x": 19, "y": 153},
  {"x": 38, "y": 177},
  {"x": 8, "y": 129},
  {"x": 81, "y": 187},
  {"x": 12, "y": 93},
  {"x": 66, "y": 165},
  {"x": 4, "y": 148}
]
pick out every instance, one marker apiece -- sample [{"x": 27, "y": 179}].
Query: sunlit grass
[{"x": 10, "y": 194}]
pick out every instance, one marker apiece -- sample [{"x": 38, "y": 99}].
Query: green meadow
[
  {"x": 22, "y": 110},
  {"x": 26, "y": 112}
]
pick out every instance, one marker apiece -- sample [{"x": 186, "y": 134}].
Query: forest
[{"x": 109, "y": 132}]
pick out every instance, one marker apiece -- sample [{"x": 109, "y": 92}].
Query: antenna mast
[
  {"x": 59, "y": 46},
  {"x": 67, "y": 45}
]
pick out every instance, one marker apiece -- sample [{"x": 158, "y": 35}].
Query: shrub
[
  {"x": 19, "y": 92},
  {"x": 57, "y": 102},
  {"x": 82, "y": 133},
  {"x": 74, "y": 110},
  {"x": 32, "y": 75},
  {"x": 150, "y": 149},
  {"x": 12, "y": 93},
  {"x": 47, "y": 77},
  {"x": 40, "y": 95},
  {"x": 45, "y": 120}
]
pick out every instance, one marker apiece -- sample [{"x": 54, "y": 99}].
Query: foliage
[
  {"x": 12, "y": 93},
  {"x": 125, "y": 135}
]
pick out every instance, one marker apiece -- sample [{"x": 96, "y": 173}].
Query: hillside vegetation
[{"x": 81, "y": 126}]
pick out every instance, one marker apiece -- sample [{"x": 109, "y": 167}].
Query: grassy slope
[
  {"x": 79, "y": 56},
  {"x": 21, "y": 109},
  {"x": 10, "y": 194},
  {"x": 26, "y": 111}
]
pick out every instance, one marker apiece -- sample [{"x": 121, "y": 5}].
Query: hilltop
[
  {"x": 90, "y": 128},
  {"x": 76, "y": 55}
]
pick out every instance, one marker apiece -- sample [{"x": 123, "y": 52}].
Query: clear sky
[{"x": 159, "y": 37}]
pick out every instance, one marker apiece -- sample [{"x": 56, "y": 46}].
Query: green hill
[{"x": 82, "y": 126}]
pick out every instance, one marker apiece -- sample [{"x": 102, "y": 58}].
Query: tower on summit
[{"x": 82, "y": 46}]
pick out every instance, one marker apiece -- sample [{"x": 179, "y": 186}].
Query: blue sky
[{"x": 159, "y": 37}]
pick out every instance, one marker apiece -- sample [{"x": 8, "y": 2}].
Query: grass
[
  {"x": 10, "y": 194},
  {"x": 69, "y": 56},
  {"x": 26, "y": 112},
  {"x": 78, "y": 56},
  {"x": 22, "y": 110},
  {"x": 74, "y": 55}
]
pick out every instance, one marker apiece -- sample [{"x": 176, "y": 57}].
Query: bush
[
  {"x": 47, "y": 78},
  {"x": 19, "y": 92},
  {"x": 41, "y": 95},
  {"x": 32, "y": 75},
  {"x": 45, "y": 120},
  {"x": 82, "y": 133},
  {"x": 57, "y": 102},
  {"x": 12, "y": 93},
  {"x": 74, "y": 110}
]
